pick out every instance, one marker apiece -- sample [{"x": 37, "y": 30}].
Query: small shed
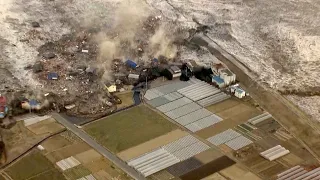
[
  {"x": 218, "y": 81},
  {"x": 239, "y": 93},
  {"x": 131, "y": 64}
]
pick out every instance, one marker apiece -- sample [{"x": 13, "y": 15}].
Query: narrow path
[{"x": 107, "y": 154}]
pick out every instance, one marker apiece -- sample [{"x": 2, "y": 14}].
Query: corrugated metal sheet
[
  {"x": 173, "y": 96},
  {"x": 158, "y": 101},
  {"x": 180, "y": 143},
  {"x": 152, "y": 93},
  {"x": 198, "y": 91},
  {"x": 67, "y": 163},
  {"x": 214, "y": 99},
  {"x": 89, "y": 177},
  {"x": 260, "y": 118},
  {"x": 184, "y": 167},
  {"x": 274, "y": 153},
  {"x": 194, "y": 80},
  {"x": 288, "y": 171},
  {"x": 238, "y": 142},
  {"x": 194, "y": 116},
  {"x": 299, "y": 173},
  {"x": 193, "y": 127},
  {"x": 223, "y": 137},
  {"x": 191, "y": 150},
  {"x": 181, "y": 111},
  {"x": 168, "y": 88},
  {"x": 311, "y": 175},
  {"x": 174, "y": 104},
  {"x": 153, "y": 162},
  {"x": 203, "y": 123},
  {"x": 289, "y": 175}
]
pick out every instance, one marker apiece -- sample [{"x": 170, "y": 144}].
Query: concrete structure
[{"x": 218, "y": 81}]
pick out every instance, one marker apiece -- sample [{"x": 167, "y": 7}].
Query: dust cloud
[{"x": 130, "y": 31}]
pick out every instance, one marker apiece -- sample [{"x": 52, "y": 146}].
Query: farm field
[
  {"x": 129, "y": 128},
  {"x": 151, "y": 144},
  {"x": 41, "y": 165},
  {"x": 32, "y": 166}
]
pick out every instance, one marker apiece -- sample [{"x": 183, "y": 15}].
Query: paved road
[{"x": 118, "y": 162}]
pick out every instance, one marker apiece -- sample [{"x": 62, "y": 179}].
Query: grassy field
[
  {"x": 30, "y": 166},
  {"x": 129, "y": 128}
]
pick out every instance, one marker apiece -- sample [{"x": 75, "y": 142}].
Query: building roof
[
  {"x": 238, "y": 90},
  {"x": 218, "y": 79},
  {"x": 53, "y": 76},
  {"x": 112, "y": 88},
  {"x": 175, "y": 69}
]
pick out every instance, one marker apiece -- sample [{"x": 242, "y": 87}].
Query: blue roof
[
  {"x": 217, "y": 79},
  {"x": 33, "y": 102},
  {"x": 53, "y": 75},
  {"x": 131, "y": 63}
]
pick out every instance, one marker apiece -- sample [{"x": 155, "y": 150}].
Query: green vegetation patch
[
  {"x": 53, "y": 174},
  {"x": 129, "y": 128},
  {"x": 29, "y": 166},
  {"x": 77, "y": 172}
]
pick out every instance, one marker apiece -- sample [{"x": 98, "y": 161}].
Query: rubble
[
  {"x": 49, "y": 55},
  {"x": 71, "y": 106},
  {"x": 37, "y": 67},
  {"x": 35, "y": 24}
]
